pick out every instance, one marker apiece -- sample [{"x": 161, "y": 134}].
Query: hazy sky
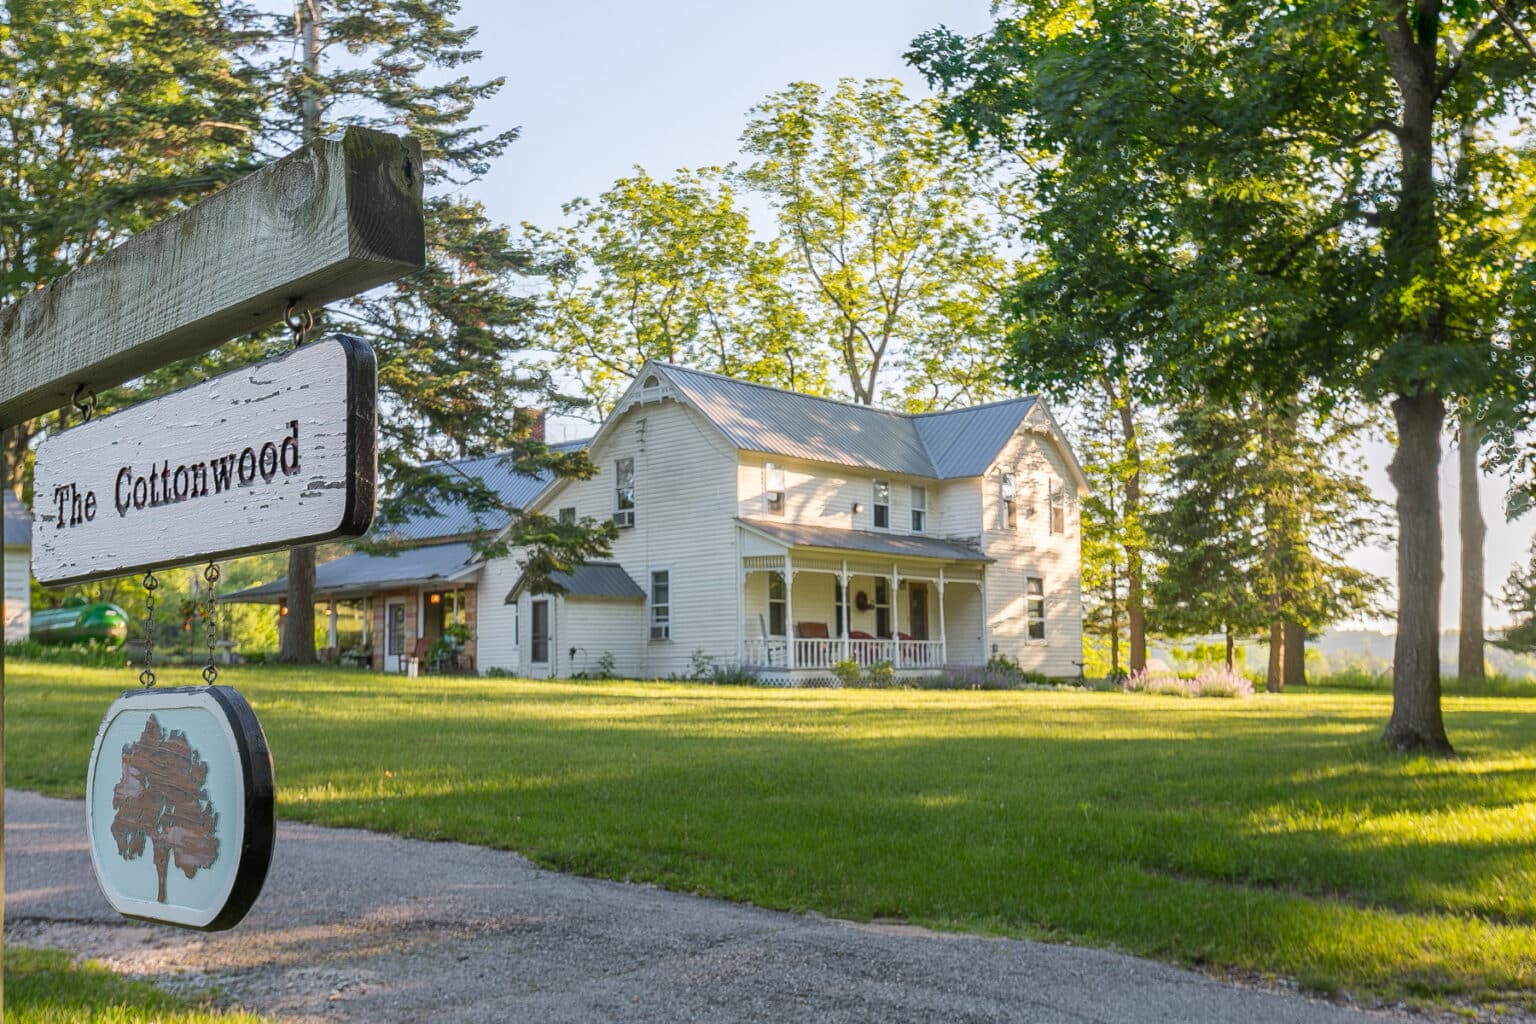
[{"x": 599, "y": 88}]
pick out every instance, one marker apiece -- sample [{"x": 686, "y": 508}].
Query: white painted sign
[
  {"x": 179, "y": 806},
  {"x": 273, "y": 455}
]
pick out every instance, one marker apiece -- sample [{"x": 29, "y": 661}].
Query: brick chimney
[{"x": 535, "y": 420}]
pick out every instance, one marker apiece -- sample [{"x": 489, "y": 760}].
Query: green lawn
[
  {"x": 46, "y": 987},
  {"x": 1272, "y": 834}
]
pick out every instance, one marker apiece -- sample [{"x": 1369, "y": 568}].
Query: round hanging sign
[{"x": 179, "y": 806}]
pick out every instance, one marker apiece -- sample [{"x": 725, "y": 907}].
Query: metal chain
[
  {"x": 147, "y": 677},
  {"x": 211, "y": 575}
]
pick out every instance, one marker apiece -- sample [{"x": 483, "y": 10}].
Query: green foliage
[
  {"x": 847, "y": 672},
  {"x": 1191, "y": 831},
  {"x": 1520, "y": 601},
  {"x": 46, "y": 986},
  {"x": 94, "y": 655}
]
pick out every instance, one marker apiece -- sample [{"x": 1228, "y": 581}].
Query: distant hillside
[{"x": 1368, "y": 649}]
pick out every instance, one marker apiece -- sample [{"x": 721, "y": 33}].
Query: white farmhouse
[
  {"x": 768, "y": 529},
  {"x": 16, "y": 606}
]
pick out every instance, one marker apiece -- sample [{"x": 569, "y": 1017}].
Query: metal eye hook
[
  {"x": 86, "y": 405},
  {"x": 299, "y": 323}
]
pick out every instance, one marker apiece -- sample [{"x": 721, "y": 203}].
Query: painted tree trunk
[
  {"x": 1295, "y": 655},
  {"x": 1274, "y": 680},
  {"x": 1469, "y": 655},
  {"x": 1416, "y": 722}
]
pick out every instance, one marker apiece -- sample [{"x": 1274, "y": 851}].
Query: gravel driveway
[{"x": 356, "y": 926}]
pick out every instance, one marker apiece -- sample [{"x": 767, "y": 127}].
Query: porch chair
[{"x": 412, "y": 664}]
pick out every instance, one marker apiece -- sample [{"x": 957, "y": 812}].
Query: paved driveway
[{"x": 355, "y": 926}]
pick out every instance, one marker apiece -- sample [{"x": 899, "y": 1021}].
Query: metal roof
[
  {"x": 457, "y": 520},
  {"x": 597, "y": 580},
  {"x": 864, "y": 541},
  {"x": 359, "y": 574},
  {"x": 18, "y": 522},
  {"x": 756, "y": 417}
]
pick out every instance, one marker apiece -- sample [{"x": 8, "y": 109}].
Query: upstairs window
[
  {"x": 624, "y": 492},
  {"x": 568, "y": 516},
  {"x": 1010, "y": 493},
  {"x": 773, "y": 489},
  {"x": 1058, "y": 502},
  {"x": 882, "y": 504},
  {"x": 661, "y": 604},
  {"x": 919, "y": 510},
  {"x": 1034, "y": 606},
  {"x": 777, "y": 605}
]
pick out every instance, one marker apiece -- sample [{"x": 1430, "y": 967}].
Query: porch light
[
  {"x": 435, "y": 598},
  {"x": 858, "y": 507}
]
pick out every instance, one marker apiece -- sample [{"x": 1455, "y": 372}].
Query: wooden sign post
[{"x": 328, "y": 221}]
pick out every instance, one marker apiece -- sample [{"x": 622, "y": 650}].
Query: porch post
[
  {"x": 895, "y": 616},
  {"x": 943, "y": 640},
  {"x": 789, "y": 610},
  {"x": 331, "y": 635},
  {"x": 842, "y": 581},
  {"x": 741, "y": 604}
]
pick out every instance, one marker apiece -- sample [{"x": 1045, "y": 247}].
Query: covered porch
[{"x": 814, "y": 597}]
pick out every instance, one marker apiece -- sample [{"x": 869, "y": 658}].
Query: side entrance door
[
  {"x": 541, "y": 638},
  {"x": 394, "y": 634},
  {"x": 917, "y": 610}
]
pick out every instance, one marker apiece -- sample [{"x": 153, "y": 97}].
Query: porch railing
[{"x": 824, "y": 653}]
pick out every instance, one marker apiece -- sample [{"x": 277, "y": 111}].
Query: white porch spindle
[
  {"x": 895, "y": 617},
  {"x": 842, "y": 581}
]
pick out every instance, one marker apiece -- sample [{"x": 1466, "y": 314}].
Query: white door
[
  {"x": 541, "y": 637},
  {"x": 394, "y": 634}
]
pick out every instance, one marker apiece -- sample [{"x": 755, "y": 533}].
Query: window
[
  {"x": 777, "y": 605},
  {"x": 882, "y": 504},
  {"x": 1058, "y": 499},
  {"x": 1034, "y": 606},
  {"x": 882, "y": 607},
  {"x": 624, "y": 492},
  {"x": 839, "y": 605},
  {"x": 661, "y": 604},
  {"x": 773, "y": 488},
  {"x": 919, "y": 509},
  {"x": 1010, "y": 492},
  {"x": 568, "y": 516}
]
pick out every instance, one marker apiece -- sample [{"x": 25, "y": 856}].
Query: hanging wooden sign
[
  {"x": 273, "y": 455},
  {"x": 179, "y": 806}
]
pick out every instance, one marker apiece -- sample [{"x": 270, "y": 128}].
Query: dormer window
[
  {"x": 1010, "y": 493},
  {"x": 882, "y": 503},
  {"x": 624, "y": 492},
  {"x": 919, "y": 509},
  {"x": 773, "y": 489}
]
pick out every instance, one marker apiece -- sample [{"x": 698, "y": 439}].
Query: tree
[
  {"x": 1469, "y": 648},
  {"x": 1292, "y": 153},
  {"x": 881, "y": 211},
  {"x": 112, "y": 115},
  {"x": 160, "y": 800},
  {"x": 1520, "y": 599},
  {"x": 670, "y": 270},
  {"x": 446, "y": 338}
]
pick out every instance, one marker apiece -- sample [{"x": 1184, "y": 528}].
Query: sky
[{"x": 597, "y": 89}]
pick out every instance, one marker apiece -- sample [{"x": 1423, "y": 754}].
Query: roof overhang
[{"x": 790, "y": 536}]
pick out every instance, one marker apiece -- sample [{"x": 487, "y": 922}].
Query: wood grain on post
[{"x": 333, "y": 219}]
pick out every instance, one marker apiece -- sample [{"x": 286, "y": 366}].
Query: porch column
[
  {"x": 789, "y": 611},
  {"x": 895, "y": 617},
  {"x": 842, "y": 581},
  {"x": 331, "y": 635},
  {"x": 943, "y": 641}
]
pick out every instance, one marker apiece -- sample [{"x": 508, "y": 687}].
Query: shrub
[
  {"x": 1217, "y": 681},
  {"x": 881, "y": 675},
  {"x": 1166, "y": 684},
  {"x": 89, "y": 654},
  {"x": 607, "y": 665},
  {"x": 847, "y": 672}
]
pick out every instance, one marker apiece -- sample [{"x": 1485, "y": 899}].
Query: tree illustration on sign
[{"x": 161, "y": 800}]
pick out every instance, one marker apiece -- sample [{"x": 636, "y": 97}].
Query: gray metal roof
[
  {"x": 358, "y": 574},
  {"x": 597, "y": 580},
  {"x": 864, "y": 541},
  {"x": 759, "y": 418},
  {"x": 457, "y": 520},
  {"x": 18, "y": 522}
]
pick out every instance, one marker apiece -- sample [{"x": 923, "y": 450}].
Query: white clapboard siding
[
  {"x": 685, "y": 495},
  {"x": 593, "y": 628},
  {"x": 496, "y": 623},
  {"x": 1032, "y": 550},
  {"x": 269, "y": 456},
  {"x": 15, "y": 608}
]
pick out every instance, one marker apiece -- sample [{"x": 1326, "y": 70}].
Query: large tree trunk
[
  {"x": 1416, "y": 723},
  {"x": 13, "y": 455},
  {"x": 1295, "y": 655},
  {"x": 296, "y": 635},
  {"x": 1135, "y": 607},
  {"x": 1274, "y": 680},
  {"x": 1469, "y": 655}
]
